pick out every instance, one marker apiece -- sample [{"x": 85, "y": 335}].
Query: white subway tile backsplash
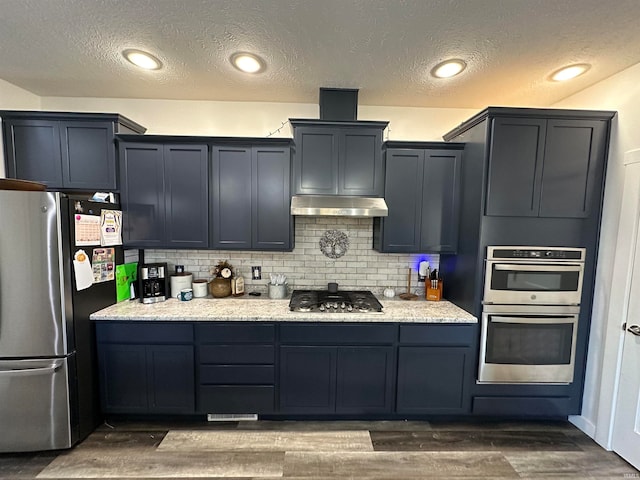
[{"x": 306, "y": 267}]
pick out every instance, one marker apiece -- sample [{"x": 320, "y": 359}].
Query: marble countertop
[{"x": 261, "y": 309}]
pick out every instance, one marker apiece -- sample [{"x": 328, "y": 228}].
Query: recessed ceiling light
[
  {"x": 448, "y": 68},
  {"x": 142, "y": 59},
  {"x": 247, "y": 62},
  {"x": 572, "y": 71}
]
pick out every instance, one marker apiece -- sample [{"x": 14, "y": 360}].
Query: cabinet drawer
[
  {"x": 439, "y": 335},
  {"x": 147, "y": 333},
  {"x": 332, "y": 334},
  {"x": 236, "y": 374},
  {"x": 236, "y": 333},
  {"x": 236, "y": 399},
  {"x": 237, "y": 354}
]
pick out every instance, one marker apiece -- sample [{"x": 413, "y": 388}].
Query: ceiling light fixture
[
  {"x": 572, "y": 71},
  {"x": 142, "y": 59},
  {"x": 448, "y": 68},
  {"x": 247, "y": 62}
]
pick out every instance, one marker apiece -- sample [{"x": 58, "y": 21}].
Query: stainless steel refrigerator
[{"x": 48, "y": 382}]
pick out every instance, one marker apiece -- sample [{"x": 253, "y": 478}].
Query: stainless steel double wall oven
[{"x": 530, "y": 314}]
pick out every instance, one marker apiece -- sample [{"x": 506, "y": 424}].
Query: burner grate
[{"x": 322, "y": 301}]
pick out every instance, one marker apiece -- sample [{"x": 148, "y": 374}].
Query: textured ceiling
[{"x": 386, "y": 48}]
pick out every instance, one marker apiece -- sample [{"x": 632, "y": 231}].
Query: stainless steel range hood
[{"x": 338, "y": 206}]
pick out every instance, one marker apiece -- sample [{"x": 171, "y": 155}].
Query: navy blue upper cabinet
[
  {"x": 422, "y": 191},
  {"x": 65, "y": 151},
  {"x": 164, "y": 195},
  {"x": 338, "y": 158},
  {"x": 545, "y": 167},
  {"x": 231, "y": 197},
  {"x": 251, "y": 197}
]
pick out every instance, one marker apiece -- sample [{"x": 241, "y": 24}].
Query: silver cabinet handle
[{"x": 635, "y": 329}]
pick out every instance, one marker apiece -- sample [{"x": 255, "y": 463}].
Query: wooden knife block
[{"x": 433, "y": 294}]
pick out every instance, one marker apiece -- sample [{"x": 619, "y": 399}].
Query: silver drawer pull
[{"x": 635, "y": 329}]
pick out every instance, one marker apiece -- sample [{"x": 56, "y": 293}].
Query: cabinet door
[
  {"x": 307, "y": 379},
  {"x": 142, "y": 194},
  {"x": 88, "y": 155},
  {"x": 515, "y": 167},
  {"x": 573, "y": 168},
  {"x": 231, "y": 199},
  {"x": 364, "y": 380},
  {"x": 186, "y": 196},
  {"x": 403, "y": 194},
  {"x": 171, "y": 378},
  {"x": 315, "y": 163},
  {"x": 271, "y": 199},
  {"x": 360, "y": 165},
  {"x": 440, "y": 201},
  {"x": 123, "y": 378},
  {"x": 432, "y": 380},
  {"x": 32, "y": 148}
]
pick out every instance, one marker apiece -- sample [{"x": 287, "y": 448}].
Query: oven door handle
[
  {"x": 538, "y": 268},
  {"x": 530, "y": 320}
]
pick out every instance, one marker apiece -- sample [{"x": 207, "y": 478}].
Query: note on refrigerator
[
  {"x": 87, "y": 229},
  {"x": 104, "y": 264},
  {"x": 82, "y": 269},
  {"x": 110, "y": 227}
]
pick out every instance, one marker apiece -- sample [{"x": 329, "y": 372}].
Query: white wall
[
  {"x": 621, "y": 93},
  {"x": 258, "y": 119},
  {"x": 15, "y": 98}
]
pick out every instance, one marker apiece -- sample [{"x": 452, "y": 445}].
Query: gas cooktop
[{"x": 323, "y": 301}]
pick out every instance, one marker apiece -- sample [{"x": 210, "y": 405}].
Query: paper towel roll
[{"x": 178, "y": 282}]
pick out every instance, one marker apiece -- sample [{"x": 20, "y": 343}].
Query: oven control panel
[{"x": 535, "y": 253}]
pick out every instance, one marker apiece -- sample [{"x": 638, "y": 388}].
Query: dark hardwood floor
[{"x": 314, "y": 450}]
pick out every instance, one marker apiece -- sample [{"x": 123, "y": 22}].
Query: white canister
[
  {"x": 200, "y": 288},
  {"x": 180, "y": 282}
]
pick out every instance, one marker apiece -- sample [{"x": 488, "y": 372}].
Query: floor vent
[{"x": 231, "y": 417}]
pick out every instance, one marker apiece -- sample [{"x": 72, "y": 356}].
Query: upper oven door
[{"x": 517, "y": 283}]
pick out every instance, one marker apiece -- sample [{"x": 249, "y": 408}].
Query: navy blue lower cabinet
[
  {"x": 365, "y": 380},
  {"x": 146, "y": 367},
  {"x": 548, "y": 407},
  {"x": 432, "y": 380},
  {"x": 236, "y": 368},
  {"x": 171, "y": 386},
  {"x": 342, "y": 380},
  {"x": 147, "y": 378},
  {"x": 123, "y": 378},
  {"x": 307, "y": 379}
]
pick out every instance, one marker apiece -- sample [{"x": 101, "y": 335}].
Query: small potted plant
[{"x": 220, "y": 286}]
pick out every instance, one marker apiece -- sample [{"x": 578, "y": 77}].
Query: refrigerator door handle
[{"x": 25, "y": 372}]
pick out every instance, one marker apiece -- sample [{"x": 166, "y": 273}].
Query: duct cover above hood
[{"x": 338, "y": 206}]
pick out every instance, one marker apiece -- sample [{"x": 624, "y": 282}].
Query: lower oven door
[{"x": 528, "y": 344}]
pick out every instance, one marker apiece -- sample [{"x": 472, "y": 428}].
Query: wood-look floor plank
[
  {"x": 122, "y": 440},
  {"x": 137, "y": 464},
  {"x": 266, "y": 441},
  {"x": 502, "y": 425},
  {"x": 163, "y": 425},
  {"x": 473, "y": 440},
  {"x": 339, "y": 425},
  {"x": 400, "y": 465},
  {"x": 24, "y": 465},
  {"x": 569, "y": 464}
]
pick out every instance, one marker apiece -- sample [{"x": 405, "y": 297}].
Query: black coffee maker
[{"x": 153, "y": 284}]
